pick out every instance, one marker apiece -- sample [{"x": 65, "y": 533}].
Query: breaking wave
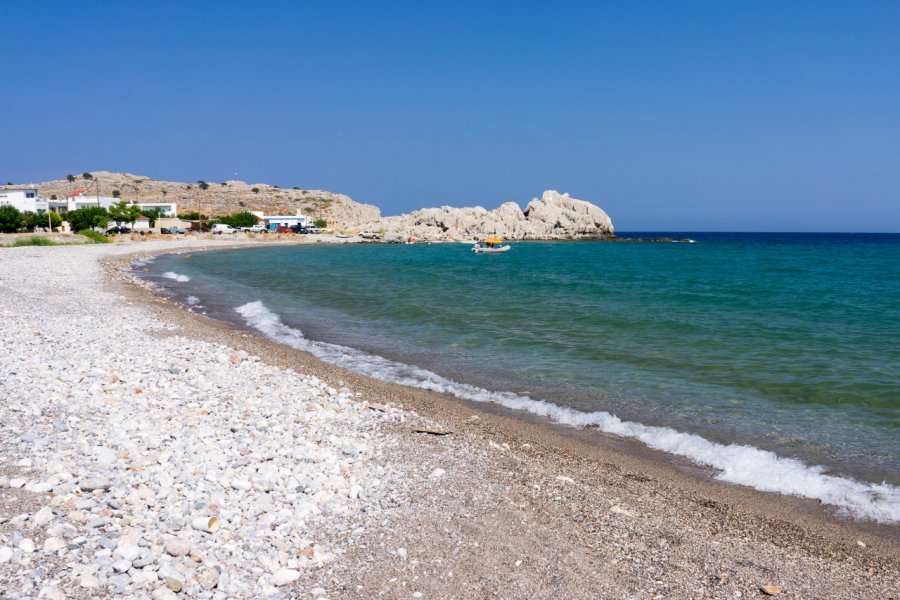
[
  {"x": 735, "y": 463},
  {"x": 176, "y": 276}
]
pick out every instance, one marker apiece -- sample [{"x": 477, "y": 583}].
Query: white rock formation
[{"x": 554, "y": 216}]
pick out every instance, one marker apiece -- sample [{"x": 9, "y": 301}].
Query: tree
[
  {"x": 10, "y": 219},
  {"x": 320, "y": 223},
  {"x": 255, "y": 190},
  {"x": 28, "y": 220},
  {"x": 33, "y": 220},
  {"x": 88, "y": 218},
  {"x": 87, "y": 175},
  {"x": 202, "y": 185},
  {"x": 240, "y": 219},
  {"x": 116, "y": 193},
  {"x": 53, "y": 196},
  {"x": 153, "y": 214},
  {"x": 134, "y": 211},
  {"x": 192, "y": 216},
  {"x": 120, "y": 212},
  {"x": 224, "y": 184},
  {"x": 70, "y": 178}
]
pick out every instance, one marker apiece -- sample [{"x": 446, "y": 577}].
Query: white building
[
  {"x": 24, "y": 200},
  {"x": 81, "y": 199},
  {"x": 276, "y": 221}
]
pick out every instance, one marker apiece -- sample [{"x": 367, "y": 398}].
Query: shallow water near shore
[{"x": 759, "y": 355}]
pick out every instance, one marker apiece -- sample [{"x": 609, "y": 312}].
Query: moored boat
[{"x": 490, "y": 245}]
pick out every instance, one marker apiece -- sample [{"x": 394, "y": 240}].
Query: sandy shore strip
[{"x": 149, "y": 452}]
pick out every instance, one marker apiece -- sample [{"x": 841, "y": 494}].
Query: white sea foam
[
  {"x": 735, "y": 463},
  {"x": 192, "y": 300},
  {"x": 143, "y": 262},
  {"x": 176, "y": 276}
]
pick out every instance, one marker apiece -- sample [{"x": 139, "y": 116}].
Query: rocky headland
[{"x": 553, "y": 216}]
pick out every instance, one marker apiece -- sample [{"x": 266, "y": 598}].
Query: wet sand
[{"x": 504, "y": 504}]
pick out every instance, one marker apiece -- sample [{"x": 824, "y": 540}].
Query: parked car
[
  {"x": 283, "y": 230},
  {"x": 254, "y": 229},
  {"x": 117, "y": 230},
  {"x": 221, "y": 228},
  {"x": 299, "y": 228},
  {"x": 177, "y": 230}
]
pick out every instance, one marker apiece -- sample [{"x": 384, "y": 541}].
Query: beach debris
[
  {"x": 770, "y": 590},
  {"x": 860, "y": 543},
  {"x": 206, "y": 524},
  {"x": 437, "y": 473},
  {"x": 615, "y": 508},
  {"x": 565, "y": 479},
  {"x": 432, "y": 432}
]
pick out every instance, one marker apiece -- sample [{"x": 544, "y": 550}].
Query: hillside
[{"x": 219, "y": 198}]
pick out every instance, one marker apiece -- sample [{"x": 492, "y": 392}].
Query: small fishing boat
[{"x": 490, "y": 245}]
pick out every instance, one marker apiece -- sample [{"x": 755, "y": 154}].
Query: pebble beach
[{"x": 148, "y": 452}]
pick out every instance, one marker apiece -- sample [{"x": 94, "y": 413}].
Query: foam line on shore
[
  {"x": 176, "y": 276},
  {"x": 736, "y": 463}
]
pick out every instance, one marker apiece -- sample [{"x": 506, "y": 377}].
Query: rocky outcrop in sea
[{"x": 553, "y": 216}]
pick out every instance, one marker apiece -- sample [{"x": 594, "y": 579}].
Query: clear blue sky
[{"x": 763, "y": 115}]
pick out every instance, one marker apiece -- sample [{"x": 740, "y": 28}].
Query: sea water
[{"x": 773, "y": 359}]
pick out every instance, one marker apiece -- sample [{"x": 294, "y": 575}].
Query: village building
[
  {"x": 273, "y": 222},
  {"x": 24, "y": 199},
  {"x": 81, "y": 199}
]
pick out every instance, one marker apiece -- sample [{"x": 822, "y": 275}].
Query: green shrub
[
  {"x": 10, "y": 219},
  {"x": 34, "y": 240},
  {"x": 320, "y": 223},
  {"x": 94, "y": 237},
  {"x": 239, "y": 219},
  {"x": 87, "y": 217}
]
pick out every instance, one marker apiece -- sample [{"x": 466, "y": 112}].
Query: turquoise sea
[{"x": 772, "y": 359}]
